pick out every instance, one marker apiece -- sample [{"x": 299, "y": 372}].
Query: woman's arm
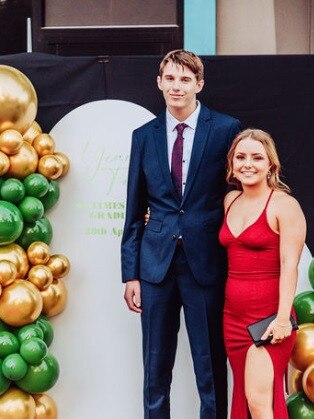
[{"x": 292, "y": 230}]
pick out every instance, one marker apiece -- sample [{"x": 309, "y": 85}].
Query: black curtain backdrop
[{"x": 274, "y": 93}]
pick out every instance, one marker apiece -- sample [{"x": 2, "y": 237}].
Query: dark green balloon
[
  {"x": 40, "y": 230},
  {"x": 12, "y": 190},
  {"x": 300, "y": 407},
  {"x": 29, "y": 331},
  {"x": 311, "y": 273},
  {"x": 33, "y": 350},
  {"x": 4, "y": 381},
  {"x": 52, "y": 196},
  {"x": 31, "y": 208},
  {"x": 9, "y": 344},
  {"x": 11, "y": 223},
  {"x": 14, "y": 367},
  {"x": 40, "y": 377},
  {"x": 304, "y": 307},
  {"x": 36, "y": 185},
  {"x": 47, "y": 329}
]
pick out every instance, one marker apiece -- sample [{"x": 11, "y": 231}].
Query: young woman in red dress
[{"x": 264, "y": 233}]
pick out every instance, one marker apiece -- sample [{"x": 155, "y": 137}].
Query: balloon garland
[
  {"x": 301, "y": 401},
  {"x": 31, "y": 278}
]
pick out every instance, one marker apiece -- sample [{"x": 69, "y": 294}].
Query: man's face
[{"x": 179, "y": 86}]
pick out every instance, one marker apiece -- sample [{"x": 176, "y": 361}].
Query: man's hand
[{"x": 132, "y": 295}]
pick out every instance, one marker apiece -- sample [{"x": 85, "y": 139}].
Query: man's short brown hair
[{"x": 184, "y": 58}]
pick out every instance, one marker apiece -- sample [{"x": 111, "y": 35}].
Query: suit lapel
[
  {"x": 199, "y": 143},
  {"x": 160, "y": 137}
]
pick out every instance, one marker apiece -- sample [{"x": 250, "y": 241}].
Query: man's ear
[
  {"x": 200, "y": 85},
  {"x": 159, "y": 82}
]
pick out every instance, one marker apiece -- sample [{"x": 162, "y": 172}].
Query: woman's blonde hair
[{"x": 273, "y": 178}]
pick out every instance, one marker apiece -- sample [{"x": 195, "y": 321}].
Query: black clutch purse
[{"x": 256, "y": 330}]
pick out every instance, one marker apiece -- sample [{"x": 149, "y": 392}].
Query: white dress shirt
[{"x": 188, "y": 135}]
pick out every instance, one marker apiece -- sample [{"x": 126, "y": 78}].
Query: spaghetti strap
[
  {"x": 267, "y": 202},
  {"x": 227, "y": 210}
]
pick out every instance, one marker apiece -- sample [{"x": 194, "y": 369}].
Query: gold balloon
[
  {"x": 36, "y": 126},
  {"x": 50, "y": 166},
  {"x": 16, "y": 254},
  {"x": 17, "y": 404},
  {"x": 10, "y": 141},
  {"x": 65, "y": 162},
  {"x": 44, "y": 144},
  {"x": 303, "y": 351},
  {"x": 46, "y": 408},
  {"x": 8, "y": 272},
  {"x": 59, "y": 265},
  {"x": 41, "y": 276},
  {"x": 4, "y": 163},
  {"x": 54, "y": 298},
  {"x": 32, "y": 132},
  {"x": 295, "y": 381},
  {"x": 38, "y": 253},
  {"x": 18, "y": 100},
  {"x": 24, "y": 162},
  {"x": 308, "y": 382},
  {"x": 20, "y": 303},
  {"x": 6, "y": 125}
]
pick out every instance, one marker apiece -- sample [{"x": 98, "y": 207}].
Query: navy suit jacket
[{"x": 147, "y": 251}]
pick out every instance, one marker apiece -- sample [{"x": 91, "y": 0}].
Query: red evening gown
[{"x": 252, "y": 293}]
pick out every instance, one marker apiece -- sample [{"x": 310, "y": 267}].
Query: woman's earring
[{"x": 268, "y": 174}]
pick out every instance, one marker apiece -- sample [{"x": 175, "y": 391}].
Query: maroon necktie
[{"x": 176, "y": 159}]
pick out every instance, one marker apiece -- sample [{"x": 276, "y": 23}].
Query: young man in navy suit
[{"x": 177, "y": 170}]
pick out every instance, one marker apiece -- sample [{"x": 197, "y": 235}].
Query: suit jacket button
[
  {"x": 182, "y": 211},
  {"x": 174, "y": 237}
]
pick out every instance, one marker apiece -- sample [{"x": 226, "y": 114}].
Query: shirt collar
[{"x": 191, "y": 121}]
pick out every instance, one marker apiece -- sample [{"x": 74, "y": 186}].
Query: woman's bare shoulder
[
  {"x": 230, "y": 197},
  {"x": 285, "y": 204},
  {"x": 282, "y": 199}
]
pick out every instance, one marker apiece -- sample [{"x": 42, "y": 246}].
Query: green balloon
[
  {"x": 29, "y": 331},
  {"x": 31, "y": 208},
  {"x": 14, "y": 367},
  {"x": 47, "y": 329},
  {"x": 33, "y": 350},
  {"x": 12, "y": 190},
  {"x": 36, "y": 185},
  {"x": 11, "y": 223},
  {"x": 52, "y": 196},
  {"x": 40, "y": 230},
  {"x": 40, "y": 377},
  {"x": 300, "y": 407},
  {"x": 304, "y": 307},
  {"x": 4, "y": 381},
  {"x": 311, "y": 273},
  {"x": 1, "y": 182},
  {"x": 9, "y": 344}
]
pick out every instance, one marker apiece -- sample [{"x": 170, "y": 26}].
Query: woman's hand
[
  {"x": 147, "y": 215},
  {"x": 278, "y": 331}
]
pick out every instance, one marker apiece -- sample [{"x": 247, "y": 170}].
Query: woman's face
[{"x": 250, "y": 162}]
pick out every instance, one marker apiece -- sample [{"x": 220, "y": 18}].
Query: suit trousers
[{"x": 202, "y": 306}]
